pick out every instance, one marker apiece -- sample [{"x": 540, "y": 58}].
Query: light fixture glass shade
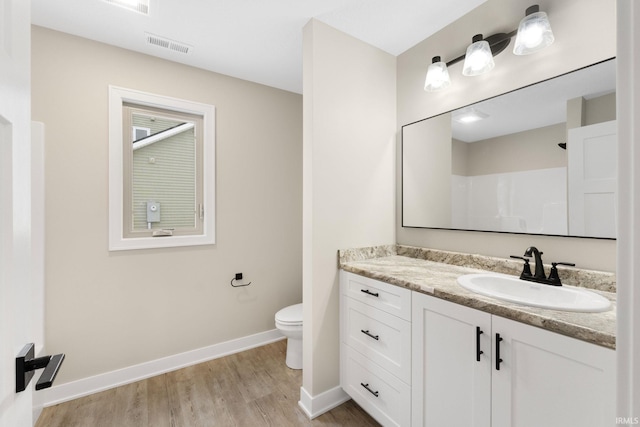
[
  {"x": 437, "y": 76},
  {"x": 478, "y": 59},
  {"x": 534, "y": 32}
]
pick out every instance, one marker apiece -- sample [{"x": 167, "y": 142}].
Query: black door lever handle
[{"x": 26, "y": 364}]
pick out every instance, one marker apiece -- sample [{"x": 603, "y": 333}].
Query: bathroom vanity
[{"x": 417, "y": 349}]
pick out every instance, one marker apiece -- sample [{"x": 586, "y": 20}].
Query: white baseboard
[
  {"x": 315, "y": 406},
  {"x": 86, "y": 386}
]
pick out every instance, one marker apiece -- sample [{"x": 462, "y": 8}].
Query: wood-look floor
[{"x": 253, "y": 388}]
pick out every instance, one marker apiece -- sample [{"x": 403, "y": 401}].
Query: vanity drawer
[
  {"x": 381, "y": 337},
  {"x": 382, "y": 395},
  {"x": 389, "y": 298}
]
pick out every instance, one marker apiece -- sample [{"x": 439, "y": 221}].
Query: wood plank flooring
[{"x": 253, "y": 388}]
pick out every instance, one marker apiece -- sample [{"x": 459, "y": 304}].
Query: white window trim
[{"x": 118, "y": 96}]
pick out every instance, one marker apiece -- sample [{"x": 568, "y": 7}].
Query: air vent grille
[{"x": 166, "y": 43}]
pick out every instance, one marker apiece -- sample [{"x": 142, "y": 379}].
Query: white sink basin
[{"x": 512, "y": 289}]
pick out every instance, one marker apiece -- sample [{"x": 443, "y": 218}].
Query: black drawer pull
[
  {"x": 368, "y": 292},
  {"x": 498, "y": 360},
  {"x": 375, "y": 393},
  {"x": 478, "y": 351},
  {"x": 367, "y": 333}
]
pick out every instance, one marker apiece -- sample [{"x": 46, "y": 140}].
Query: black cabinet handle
[
  {"x": 367, "y": 333},
  {"x": 498, "y": 360},
  {"x": 368, "y": 292},
  {"x": 478, "y": 351},
  {"x": 375, "y": 393}
]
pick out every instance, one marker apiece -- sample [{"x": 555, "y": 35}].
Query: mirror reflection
[{"x": 538, "y": 160}]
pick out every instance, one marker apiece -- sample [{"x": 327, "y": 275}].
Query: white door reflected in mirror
[{"x": 593, "y": 180}]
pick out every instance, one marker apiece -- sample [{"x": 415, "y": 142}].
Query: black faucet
[
  {"x": 539, "y": 275},
  {"x": 537, "y": 255}
]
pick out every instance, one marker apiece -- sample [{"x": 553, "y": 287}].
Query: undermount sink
[{"x": 512, "y": 289}]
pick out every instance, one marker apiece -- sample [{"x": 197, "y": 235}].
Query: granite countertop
[{"x": 415, "y": 268}]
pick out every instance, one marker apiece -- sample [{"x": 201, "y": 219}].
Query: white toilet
[{"x": 289, "y": 323}]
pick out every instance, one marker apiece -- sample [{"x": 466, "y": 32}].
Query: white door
[
  {"x": 592, "y": 169},
  {"x": 451, "y": 364},
  {"x": 547, "y": 379},
  {"x": 20, "y": 287}
]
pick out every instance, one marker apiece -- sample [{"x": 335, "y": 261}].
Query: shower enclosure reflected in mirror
[{"x": 538, "y": 160}]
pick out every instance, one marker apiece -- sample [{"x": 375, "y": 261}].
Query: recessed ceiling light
[
  {"x": 469, "y": 116},
  {"x": 140, "y": 6}
]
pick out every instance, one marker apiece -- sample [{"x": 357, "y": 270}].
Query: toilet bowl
[{"x": 289, "y": 323}]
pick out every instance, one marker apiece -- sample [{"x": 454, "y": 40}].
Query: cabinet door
[
  {"x": 450, "y": 387},
  {"x": 547, "y": 379}
]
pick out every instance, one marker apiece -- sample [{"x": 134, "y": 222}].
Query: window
[{"x": 161, "y": 171}]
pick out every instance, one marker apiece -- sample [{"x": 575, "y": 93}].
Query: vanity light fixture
[{"x": 533, "y": 34}]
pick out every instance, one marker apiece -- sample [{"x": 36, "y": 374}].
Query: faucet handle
[
  {"x": 554, "y": 279},
  {"x": 570, "y": 264},
  {"x": 526, "y": 270}
]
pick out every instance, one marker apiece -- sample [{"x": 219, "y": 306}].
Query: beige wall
[
  {"x": 459, "y": 157},
  {"x": 600, "y": 109},
  {"x": 349, "y": 142},
  {"x": 576, "y": 45},
  {"x": 109, "y": 310}
]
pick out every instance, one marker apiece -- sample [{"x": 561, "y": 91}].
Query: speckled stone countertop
[{"x": 435, "y": 272}]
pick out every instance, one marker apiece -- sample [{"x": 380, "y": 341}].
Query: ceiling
[{"x": 255, "y": 40}]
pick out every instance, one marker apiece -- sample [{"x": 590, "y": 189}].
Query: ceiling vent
[
  {"x": 166, "y": 43},
  {"x": 140, "y": 6}
]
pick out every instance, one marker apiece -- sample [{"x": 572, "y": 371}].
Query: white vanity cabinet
[
  {"x": 375, "y": 347},
  {"x": 542, "y": 378}
]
